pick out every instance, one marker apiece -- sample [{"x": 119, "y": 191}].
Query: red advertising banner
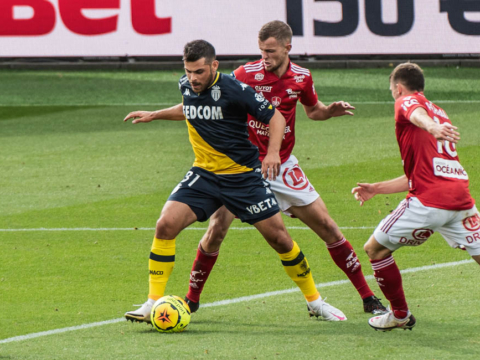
[{"x": 161, "y": 28}]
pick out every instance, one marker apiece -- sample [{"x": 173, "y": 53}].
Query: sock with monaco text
[
  {"x": 160, "y": 266},
  {"x": 344, "y": 256},
  {"x": 296, "y": 266}
]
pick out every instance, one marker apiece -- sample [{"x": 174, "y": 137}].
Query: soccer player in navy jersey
[
  {"x": 438, "y": 197},
  {"x": 284, "y": 83},
  {"x": 226, "y": 172}
]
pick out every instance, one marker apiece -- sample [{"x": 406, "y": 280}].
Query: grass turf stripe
[
  {"x": 227, "y": 302},
  {"x": 171, "y": 104},
  {"x": 152, "y": 229}
]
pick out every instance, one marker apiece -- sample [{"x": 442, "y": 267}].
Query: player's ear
[
  {"x": 215, "y": 64},
  {"x": 288, "y": 47}
]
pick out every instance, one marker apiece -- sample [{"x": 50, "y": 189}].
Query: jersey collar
[{"x": 216, "y": 80}]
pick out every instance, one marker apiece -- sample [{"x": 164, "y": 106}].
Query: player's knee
[
  {"x": 166, "y": 228},
  {"x": 375, "y": 250},
  {"x": 281, "y": 242},
  {"x": 369, "y": 249},
  {"x": 214, "y": 237},
  {"x": 329, "y": 231}
]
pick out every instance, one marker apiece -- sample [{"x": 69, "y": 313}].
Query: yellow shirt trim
[{"x": 206, "y": 157}]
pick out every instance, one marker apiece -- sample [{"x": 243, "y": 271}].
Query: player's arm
[
  {"x": 445, "y": 131},
  {"x": 171, "y": 113},
  {"x": 271, "y": 163},
  {"x": 364, "y": 191},
  {"x": 320, "y": 111}
]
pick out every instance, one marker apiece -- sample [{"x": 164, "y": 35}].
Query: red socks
[
  {"x": 202, "y": 266},
  {"x": 390, "y": 282},
  {"x": 344, "y": 256}
]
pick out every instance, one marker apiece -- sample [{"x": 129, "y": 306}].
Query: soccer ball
[{"x": 170, "y": 314}]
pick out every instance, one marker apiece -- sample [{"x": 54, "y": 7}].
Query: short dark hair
[
  {"x": 197, "y": 49},
  {"x": 277, "y": 29},
  {"x": 410, "y": 75}
]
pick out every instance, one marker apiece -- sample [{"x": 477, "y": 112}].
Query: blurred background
[{"x": 135, "y": 33}]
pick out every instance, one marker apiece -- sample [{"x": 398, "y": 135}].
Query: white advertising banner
[{"x": 161, "y": 28}]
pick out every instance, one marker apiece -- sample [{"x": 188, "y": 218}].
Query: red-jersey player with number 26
[
  {"x": 438, "y": 197},
  {"x": 284, "y": 83}
]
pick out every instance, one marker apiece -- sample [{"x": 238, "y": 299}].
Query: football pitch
[{"x": 80, "y": 192}]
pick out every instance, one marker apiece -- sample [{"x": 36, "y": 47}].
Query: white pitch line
[
  {"x": 152, "y": 229},
  {"x": 171, "y": 104},
  {"x": 59, "y": 331},
  {"x": 226, "y": 302}
]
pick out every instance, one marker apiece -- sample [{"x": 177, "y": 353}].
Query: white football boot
[
  {"x": 325, "y": 311},
  {"x": 388, "y": 322},
  {"x": 142, "y": 314}
]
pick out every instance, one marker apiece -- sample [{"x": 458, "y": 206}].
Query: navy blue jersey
[{"x": 217, "y": 124}]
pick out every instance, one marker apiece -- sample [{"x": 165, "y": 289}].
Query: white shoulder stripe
[
  {"x": 253, "y": 68},
  {"x": 257, "y": 64},
  {"x": 299, "y": 70}
]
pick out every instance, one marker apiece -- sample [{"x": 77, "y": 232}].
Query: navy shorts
[{"x": 246, "y": 195}]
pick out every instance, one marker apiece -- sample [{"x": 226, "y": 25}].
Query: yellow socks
[
  {"x": 296, "y": 266},
  {"x": 160, "y": 265}
]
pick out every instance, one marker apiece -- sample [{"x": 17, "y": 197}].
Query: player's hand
[
  {"x": 446, "y": 131},
  {"x": 363, "y": 192},
  {"x": 271, "y": 166},
  {"x": 340, "y": 108},
  {"x": 140, "y": 116}
]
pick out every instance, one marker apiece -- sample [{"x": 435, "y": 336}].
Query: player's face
[
  {"x": 274, "y": 53},
  {"x": 200, "y": 74}
]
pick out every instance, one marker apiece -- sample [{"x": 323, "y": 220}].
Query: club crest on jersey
[
  {"x": 259, "y": 76},
  {"x": 276, "y": 101},
  {"x": 259, "y": 97},
  {"x": 216, "y": 93}
]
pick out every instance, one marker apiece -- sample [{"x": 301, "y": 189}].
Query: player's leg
[
  {"x": 193, "y": 199},
  {"x": 296, "y": 266},
  {"x": 175, "y": 216},
  {"x": 207, "y": 254},
  {"x": 297, "y": 197},
  {"x": 463, "y": 231},
  {"x": 389, "y": 279},
  {"x": 315, "y": 216},
  {"x": 250, "y": 198},
  {"x": 411, "y": 224}
]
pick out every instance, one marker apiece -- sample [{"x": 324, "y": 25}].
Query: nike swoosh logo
[{"x": 341, "y": 318}]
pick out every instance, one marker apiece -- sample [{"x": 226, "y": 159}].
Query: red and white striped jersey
[
  {"x": 296, "y": 84},
  {"x": 433, "y": 169}
]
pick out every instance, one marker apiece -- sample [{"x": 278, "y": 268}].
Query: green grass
[{"x": 68, "y": 161}]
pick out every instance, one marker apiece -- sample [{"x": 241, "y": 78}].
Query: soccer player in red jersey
[
  {"x": 284, "y": 83},
  {"x": 438, "y": 197}
]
